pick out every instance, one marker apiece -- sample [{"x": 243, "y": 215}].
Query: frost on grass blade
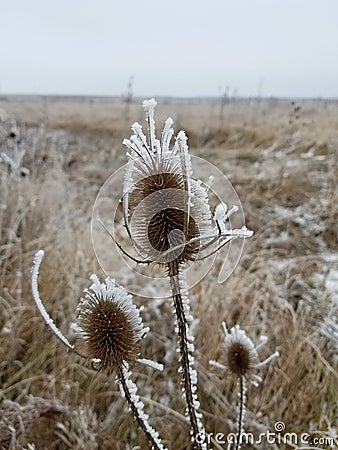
[
  {"x": 44, "y": 314},
  {"x": 148, "y": 362}
]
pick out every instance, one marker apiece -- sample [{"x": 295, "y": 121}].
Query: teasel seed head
[
  {"x": 239, "y": 351},
  {"x": 110, "y": 325},
  {"x": 241, "y": 355},
  {"x": 168, "y": 209}
]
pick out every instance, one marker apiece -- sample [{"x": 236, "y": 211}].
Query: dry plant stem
[
  {"x": 137, "y": 413},
  {"x": 241, "y": 411},
  {"x": 183, "y": 345}
]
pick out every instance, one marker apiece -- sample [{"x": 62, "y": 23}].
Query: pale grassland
[{"x": 283, "y": 165}]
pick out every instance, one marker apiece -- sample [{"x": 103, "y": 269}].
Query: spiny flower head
[
  {"x": 110, "y": 325},
  {"x": 241, "y": 355},
  {"x": 169, "y": 209},
  {"x": 166, "y": 210}
]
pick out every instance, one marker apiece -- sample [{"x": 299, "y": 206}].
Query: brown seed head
[
  {"x": 160, "y": 219},
  {"x": 167, "y": 211},
  {"x": 238, "y": 359},
  {"x": 108, "y": 334},
  {"x": 240, "y": 353},
  {"x": 110, "y": 325}
]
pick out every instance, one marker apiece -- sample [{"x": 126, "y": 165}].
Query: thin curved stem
[{"x": 42, "y": 310}]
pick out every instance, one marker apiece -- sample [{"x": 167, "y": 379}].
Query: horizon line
[{"x": 137, "y": 98}]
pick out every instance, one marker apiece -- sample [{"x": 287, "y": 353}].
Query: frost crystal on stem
[
  {"x": 129, "y": 390},
  {"x": 186, "y": 347}
]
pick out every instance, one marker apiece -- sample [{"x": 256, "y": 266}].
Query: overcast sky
[{"x": 175, "y": 47}]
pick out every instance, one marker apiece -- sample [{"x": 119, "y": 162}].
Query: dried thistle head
[
  {"x": 239, "y": 351},
  {"x": 110, "y": 325},
  {"x": 168, "y": 209},
  {"x": 241, "y": 355},
  {"x": 161, "y": 225}
]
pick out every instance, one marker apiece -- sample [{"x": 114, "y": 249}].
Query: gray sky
[{"x": 176, "y": 47}]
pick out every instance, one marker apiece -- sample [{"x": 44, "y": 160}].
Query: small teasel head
[
  {"x": 239, "y": 351},
  {"x": 241, "y": 355},
  {"x": 110, "y": 325}
]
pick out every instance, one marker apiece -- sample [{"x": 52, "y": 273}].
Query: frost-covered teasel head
[
  {"x": 110, "y": 325},
  {"x": 166, "y": 210},
  {"x": 240, "y": 355},
  {"x": 169, "y": 210}
]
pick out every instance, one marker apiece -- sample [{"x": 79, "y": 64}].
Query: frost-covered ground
[{"x": 282, "y": 159}]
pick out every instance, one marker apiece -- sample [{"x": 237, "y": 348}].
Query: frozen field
[{"x": 282, "y": 159}]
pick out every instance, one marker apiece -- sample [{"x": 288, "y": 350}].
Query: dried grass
[{"x": 285, "y": 172}]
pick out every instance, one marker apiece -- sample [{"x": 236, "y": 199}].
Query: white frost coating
[
  {"x": 267, "y": 360},
  {"x": 220, "y": 214},
  {"x": 138, "y": 404},
  {"x": 148, "y": 362},
  {"x": 142, "y": 140},
  {"x": 44, "y": 314},
  {"x": 76, "y": 328},
  {"x": 117, "y": 295},
  {"x": 232, "y": 211},
  {"x": 263, "y": 340},
  {"x": 210, "y": 182},
  {"x": 149, "y": 107},
  {"x": 148, "y": 155},
  {"x": 191, "y": 360},
  {"x": 96, "y": 360},
  {"x": 238, "y": 232},
  {"x": 237, "y": 335},
  {"x": 167, "y": 134},
  {"x": 182, "y": 147},
  {"x": 241, "y": 417},
  {"x": 216, "y": 364}
]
